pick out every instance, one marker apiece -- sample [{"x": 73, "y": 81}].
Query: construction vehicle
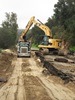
[
  {"x": 48, "y": 41},
  {"x": 23, "y": 46},
  {"x": 23, "y": 49}
]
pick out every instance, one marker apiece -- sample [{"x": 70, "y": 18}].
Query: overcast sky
[{"x": 25, "y": 9}]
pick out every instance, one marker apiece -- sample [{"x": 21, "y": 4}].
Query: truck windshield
[{"x": 23, "y": 44}]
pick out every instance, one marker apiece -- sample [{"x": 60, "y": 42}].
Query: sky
[{"x": 25, "y": 9}]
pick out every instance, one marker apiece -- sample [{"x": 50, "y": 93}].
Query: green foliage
[
  {"x": 0, "y": 50},
  {"x": 58, "y": 32},
  {"x": 8, "y": 32},
  {"x": 29, "y": 35},
  {"x": 11, "y": 22},
  {"x": 6, "y": 38},
  {"x": 72, "y": 48},
  {"x": 51, "y": 22},
  {"x": 71, "y": 24},
  {"x": 34, "y": 45},
  {"x": 64, "y": 12},
  {"x": 62, "y": 22}
]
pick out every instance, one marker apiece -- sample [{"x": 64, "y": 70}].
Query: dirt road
[{"x": 28, "y": 83}]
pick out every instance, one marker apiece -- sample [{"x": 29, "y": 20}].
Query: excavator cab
[
  {"x": 50, "y": 45},
  {"x": 45, "y": 40}
]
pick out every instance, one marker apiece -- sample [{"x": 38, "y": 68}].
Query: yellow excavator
[{"x": 48, "y": 41}]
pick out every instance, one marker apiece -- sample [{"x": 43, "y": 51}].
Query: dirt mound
[{"x": 5, "y": 65}]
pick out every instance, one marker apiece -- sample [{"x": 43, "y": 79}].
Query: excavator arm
[
  {"x": 26, "y": 29},
  {"x": 43, "y": 27}
]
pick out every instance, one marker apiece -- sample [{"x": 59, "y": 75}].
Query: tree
[
  {"x": 5, "y": 38},
  {"x": 64, "y": 10},
  {"x": 8, "y": 33},
  {"x": 51, "y": 22},
  {"x": 11, "y": 21},
  {"x": 65, "y": 17}
]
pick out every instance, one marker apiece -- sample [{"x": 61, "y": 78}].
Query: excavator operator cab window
[
  {"x": 59, "y": 44},
  {"x": 45, "y": 39}
]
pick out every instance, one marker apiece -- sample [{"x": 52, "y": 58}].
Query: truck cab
[{"x": 23, "y": 49}]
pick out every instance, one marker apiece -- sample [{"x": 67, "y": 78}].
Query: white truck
[{"x": 23, "y": 49}]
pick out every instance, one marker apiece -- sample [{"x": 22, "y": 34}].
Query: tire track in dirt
[
  {"x": 32, "y": 84},
  {"x": 54, "y": 90},
  {"x": 14, "y": 88}
]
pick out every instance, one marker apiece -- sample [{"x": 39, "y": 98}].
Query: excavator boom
[{"x": 38, "y": 24}]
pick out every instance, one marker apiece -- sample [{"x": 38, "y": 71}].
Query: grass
[
  {"x": 72, "y": 48},
  {"x": 34, "y": 46}
]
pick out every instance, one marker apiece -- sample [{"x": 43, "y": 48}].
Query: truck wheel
[
  {"x": 29, "y": 56},
  {"x": 17, "y": 56}
]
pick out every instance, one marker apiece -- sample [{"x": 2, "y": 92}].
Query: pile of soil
[{"x": 6, "y": 67}]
